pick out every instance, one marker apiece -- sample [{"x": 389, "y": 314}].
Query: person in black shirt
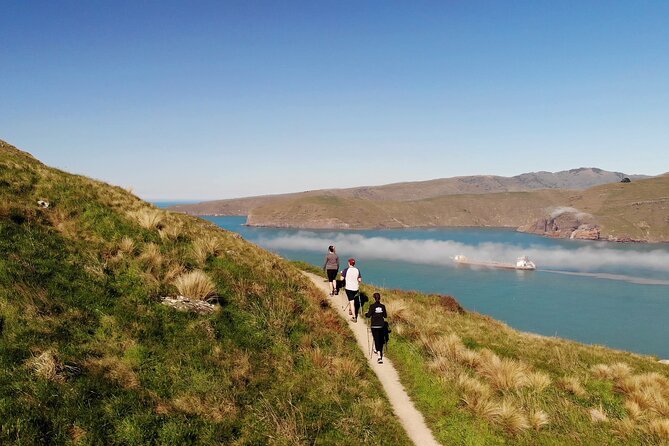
[{"x": 377, "y": 313}]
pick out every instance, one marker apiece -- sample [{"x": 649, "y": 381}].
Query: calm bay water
[{"x": 597, "y": 293}]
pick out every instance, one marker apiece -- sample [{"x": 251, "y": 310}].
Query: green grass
[
  {"x": 89, "y": 356},
  {"x": 416, "y": 317}
]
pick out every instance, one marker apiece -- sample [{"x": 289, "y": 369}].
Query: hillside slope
[
  {"x": 582, "y": 178},
  {"x": 88, "y": 355},
  {"x": 618, "y": 211},
  {"x": 478, "y": 381}
]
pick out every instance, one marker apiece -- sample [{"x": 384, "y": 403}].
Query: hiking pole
[{"x": 369, "y": 348}]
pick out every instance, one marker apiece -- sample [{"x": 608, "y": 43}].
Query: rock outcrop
[{"x": 565, "y": 223}]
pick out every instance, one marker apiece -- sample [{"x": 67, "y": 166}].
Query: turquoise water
[{"x": 585, "y": 291}]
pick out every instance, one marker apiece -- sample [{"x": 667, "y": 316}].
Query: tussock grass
[
  {"x": 538, "y": 419},
  {"x": 572, "y": 385},
  {"x": 477, "y": 364},
  {"x": 47, "y": 366},
  {"x": 481, "y": 406},
  {"x": 502, "y": 373},
  {"x": 511, "y": 418},
  {"x": 148, "y": 218},
  {"x": 538, "y": 381},
  {"x": 634, "y": 411},
  {"x": 206, "y": 247},
  {"x": 597, "y": 415},
  {"x": 346, "y": 367},
  {"x": 195, "y": 285},
  {"x": 126, "y": 245},
  {"x": 151, "y": 258},
  {"x": 171, "y": 230},
  {"x": 659, "y": 429}
]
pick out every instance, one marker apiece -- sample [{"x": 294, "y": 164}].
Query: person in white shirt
[{"x": 353, "y": 279}]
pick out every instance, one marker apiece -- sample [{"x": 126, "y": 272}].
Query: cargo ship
[{"x": 523, "y": 263}]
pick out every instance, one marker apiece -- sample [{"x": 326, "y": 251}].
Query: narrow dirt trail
[{"x": 412, "y": 420}]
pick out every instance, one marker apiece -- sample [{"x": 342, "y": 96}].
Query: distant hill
[
  {"x": 581, "y": 178},
  {"x": 619, "y": 211}
]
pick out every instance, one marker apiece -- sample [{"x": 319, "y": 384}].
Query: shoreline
[{"x": 609, "y": 239}]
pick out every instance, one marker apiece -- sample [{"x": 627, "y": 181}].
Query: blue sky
[{"x": 223, "y": 99}]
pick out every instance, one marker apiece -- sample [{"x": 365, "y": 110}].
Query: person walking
[
  {"x": 353, "y": 278},
  {"x": 331, "y": 268},
  {"x": 377, "y": 313}
]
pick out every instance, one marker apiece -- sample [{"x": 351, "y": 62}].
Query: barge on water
[{"x": 523, "y": 263}]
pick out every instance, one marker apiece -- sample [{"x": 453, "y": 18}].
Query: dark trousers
[
  {"x": 379, "y": 335},
  {"x": 354, "y": 301}
]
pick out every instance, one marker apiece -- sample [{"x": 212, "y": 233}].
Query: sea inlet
[{"x": 593, "y": 292}]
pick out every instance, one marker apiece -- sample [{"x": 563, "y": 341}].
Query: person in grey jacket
[{"x": 331, "y": 267}]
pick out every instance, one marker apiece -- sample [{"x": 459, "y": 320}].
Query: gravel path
[{"x": 411, "y": 419}]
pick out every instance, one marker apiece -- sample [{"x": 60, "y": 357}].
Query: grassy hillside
[
  {"x": 636, "y": 210},
  {"x": 639, "y": 210},
  {"x": 508, "y": 209},
  {"x": 88, "y": 355},
  {"x": 576, "y": 179},
  {"x": 480, "y": 382}
]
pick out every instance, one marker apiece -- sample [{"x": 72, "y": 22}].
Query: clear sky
[{"x": 224, "y": 99}]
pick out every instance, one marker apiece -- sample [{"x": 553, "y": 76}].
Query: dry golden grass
[
  {"x": 537, "y": 381},
  {"x": 376, "y": 406},
  {"x": 619, "y": 371},
  {"x": 148, "y": 218},
  {"x": 205, "y": 247},
  {"x": 634, "y": 411},
  {"x": 152, "y": 258},
  {"x": 46, "y": 366},
  {"x": 511, "y": 418},
  {"x": 317, "y": 356},
  {"x": 287, "y": 421},
  {"x": 538, "y": 419},
  {"x": 77, "y": 434},
  {"x": 597, "y": 415},
  {"x": 195, "y": 285},
  {"x": 173, "y": 271},
  {"x": 115, "y": 369},
  {"x": 481, "y": 406},
  {"x": 241, "y": 372},
  {"x": 399, "y": 311},
  {"x": 126, "y": 245},
  {"x": 347, "y": 367},
  {"x": 659, "y": 428},
  {"x": 211, "y": 407},
  {"x": 472, "y": 386},
  {"x": 170, "y": 230},
  {"x": 448, "y": 347},
  {"x": 502, "y": 373},
  {"x": 624, "y": 428},
  {"x": 601, "y": 371},
  {"x": 572, "y": 385}
]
